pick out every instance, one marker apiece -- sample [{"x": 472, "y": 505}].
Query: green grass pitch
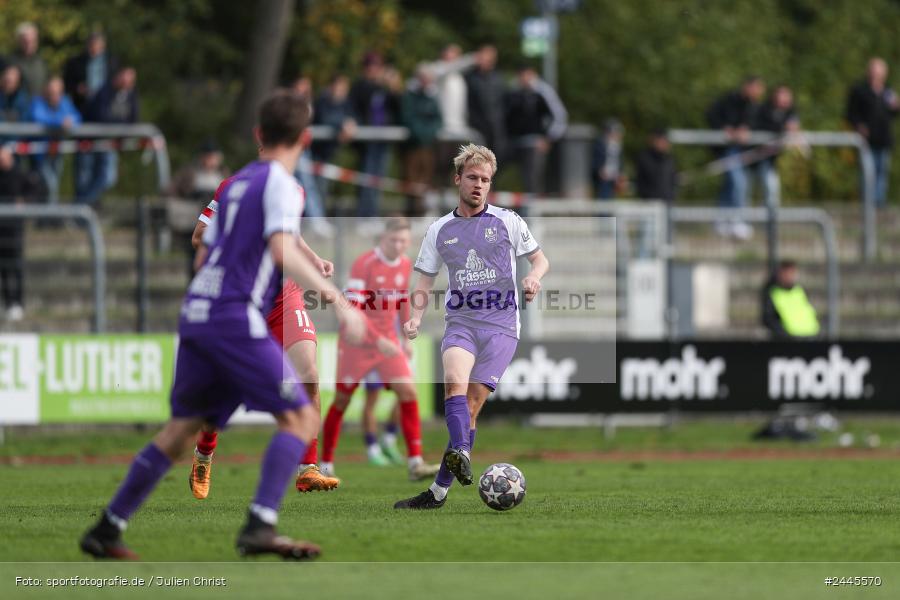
[{"x": 637, "y": 511}]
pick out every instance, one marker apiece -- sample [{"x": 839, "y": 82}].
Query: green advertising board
[
  {"x": 127, "y": 379},
  {"x": 106, "y": 378}
]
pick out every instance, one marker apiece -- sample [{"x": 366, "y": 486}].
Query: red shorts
[
  {"x": 355, "y": 362},
  {"x": 291, "y": 324}
]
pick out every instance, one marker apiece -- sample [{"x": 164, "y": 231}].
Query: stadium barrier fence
[
  {"x": 812, "y": 216},
  {"x": 715, "y": 137},
  {"x": 86, "y": 217}
]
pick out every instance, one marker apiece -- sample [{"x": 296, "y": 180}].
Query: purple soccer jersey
[
  {"x": 237, "y": 283},
  {"x": 226, "y": 356},
  {"x": 480, "y": 253}
]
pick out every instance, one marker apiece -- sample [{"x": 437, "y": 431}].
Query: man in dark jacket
[
  {"x": 115, "y": 102},
  {"x": 657, "y": 175},
  {"x": 86, "y": 73},
  {"x": 372, "y": 103},
  {"x": 735, "y": 113},
  {"x": 786, "y": 311},
  {"x": 656, "y": 179},
  {"x": 421, "y": 114},
  {"x": 871, "y": 106},
  {"x": 778, "y": 116},
  {"x": 486, "y": 93},
  {"x": 15, "y": 187},
  {"x": 332, "y": 108},
  {"x": 607, "y": 170},
  {"x": 535, "y": 119},
  {"x": 15, "y": 102}
]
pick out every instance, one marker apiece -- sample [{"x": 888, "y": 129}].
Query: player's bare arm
[
  {"x": 197, "y": 236},
  {"x": 531, "y": 284},
  {"x": 288, "y": 256},
  {"x": 423, "y": 287},
  {"x": 199, "y": 246},
  {"x": 325, "y": 267}
]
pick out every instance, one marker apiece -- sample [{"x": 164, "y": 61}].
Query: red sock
[
  {"x": 412, "y": 427},
  {"x": 312, "y": 453},
  {"x": 207, "y": 442},
  {"x": 331, "y": 432}
]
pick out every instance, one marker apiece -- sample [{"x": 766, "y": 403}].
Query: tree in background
[{"x": 646, "y": 62}]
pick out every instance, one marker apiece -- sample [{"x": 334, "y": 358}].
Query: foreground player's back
[{"x": 238, "y": 281}]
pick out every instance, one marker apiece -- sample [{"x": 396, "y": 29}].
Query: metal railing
[
  {"x": 391, "y": 133},
  {"x": 620, "y": 216},
  {"x": 716, "y": 137},
  {"x": 86, "y": 216},
  {"x": 812, "y": 216},
  {"x": 573, "y": 161},
  {"x": 99, "y": 131}
]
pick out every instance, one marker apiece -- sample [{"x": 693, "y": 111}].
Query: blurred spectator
[
  {"x": 451, "y": 88},
  {"x": 657, "y": 175},
  {"x": 15, "y": 102},
  {"x": 86, "y": 73},
  {"x": 656, "y": 179},
  {"x": 606, "y": 162},
  {"x": 200, "y": 179},
  {"x": 871, "y": 106},
  {"x": 54, "y": 109},
  {"x": 313, "y": 208},
  {"x": 26, "y": 57},
  {"x": 778, "y": 116},
  {"x": 786, "y": 311},
  {"x": 535, "y": 118},
  {"x": 192, "y": 187},
  {"x": 332, "y": 108},
  {"x": 115, "y": 103},
  {"x": 486, "y": 96},
  {"x": 373, "y": 104},
  {"x": 15, "y": 187},
  {"x": 453, "y": 101},
  {"x": 420, "y": 113},
  {"x": 735, "y": 113}
]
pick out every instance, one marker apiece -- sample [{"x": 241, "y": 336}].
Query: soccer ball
[{"x": 502, "y": 486}]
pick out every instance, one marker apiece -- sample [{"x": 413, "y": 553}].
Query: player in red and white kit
[
  {"x": 379, "y": 285},
  {"x": 290, "y": 325}
]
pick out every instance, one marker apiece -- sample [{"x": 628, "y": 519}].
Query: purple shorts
[
  {"x": 215, "y": 375},
  {"x": 493, "y": 351}
]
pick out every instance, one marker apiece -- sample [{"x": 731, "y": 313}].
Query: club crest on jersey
[
  {"x": 490, "y": 234},
  {"x": 476, "y": 272},
  {"x": 398, "y": 279}
]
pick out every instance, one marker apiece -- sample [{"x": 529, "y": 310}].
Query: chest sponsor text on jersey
[{"x": 475, "y": 272}]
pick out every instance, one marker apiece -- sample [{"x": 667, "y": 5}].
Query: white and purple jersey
[
  {"x": 480, "y": 253},
  {"x": 237, "y": 283}
]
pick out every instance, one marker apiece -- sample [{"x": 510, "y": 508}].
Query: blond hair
[
  {"x": 396, "y": 223},
  {"x": 476, "y": 155}
]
